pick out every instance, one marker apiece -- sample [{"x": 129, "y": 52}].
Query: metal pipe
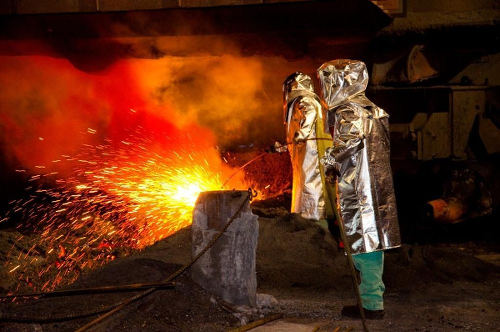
[
  {"x": 122, "y": 305},
  {"x": 447, "y": 210},
  {"x": 347, "y": 249},
  {"x": 94, "y": 290},
  {"x": 174, "y": 275},
  {"x": 241, "y": 167}
]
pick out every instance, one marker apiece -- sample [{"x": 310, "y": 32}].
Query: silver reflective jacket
[
  {"x": 304, "y": 126},
  {"x": 361, "y": 155}
]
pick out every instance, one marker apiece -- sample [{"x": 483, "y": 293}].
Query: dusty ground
[{"x": 440, "y": 287}]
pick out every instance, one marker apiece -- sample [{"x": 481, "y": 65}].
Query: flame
[
  {"x": 99, "y": 186},
  {"x": 117, "y": 200},
  {"x": 186, "y": 194}
]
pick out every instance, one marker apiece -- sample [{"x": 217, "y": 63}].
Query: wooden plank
[
  {"x": 47, "y": 6},
  {"x": 77, "y": 6},
  {"x": 393, "y": 7},
  {"x": 216, "y": 3},
  {"x": 125, "y": 5}
]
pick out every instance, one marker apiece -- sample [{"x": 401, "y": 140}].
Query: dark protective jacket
[{"x": 361, "y": 156}]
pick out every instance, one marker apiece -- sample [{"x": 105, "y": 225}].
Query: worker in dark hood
[
  {"x": 360, "y": 157},
  {"x": 307, "y": 141}
]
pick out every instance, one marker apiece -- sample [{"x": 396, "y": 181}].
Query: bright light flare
[
  {"x": 185, "y": 194},
  {"x": 116, "y": 201}
]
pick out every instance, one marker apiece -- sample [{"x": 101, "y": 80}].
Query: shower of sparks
[{"x": 116, "y": 200}]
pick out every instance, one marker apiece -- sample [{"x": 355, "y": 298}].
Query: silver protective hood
[
  {"x": 341, "y": 80},
  {"x": 297, "y": 84},
  {"x": 302, "y": 111},
  {"x": 361, "y": 155}
]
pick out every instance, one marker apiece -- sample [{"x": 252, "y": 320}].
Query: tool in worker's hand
[
  {"x": 347, "y": 249},
  {"x": 283, "y": 147},
  {"x": 278, "y": 147}
]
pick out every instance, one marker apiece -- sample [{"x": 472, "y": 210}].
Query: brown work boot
[{"x": 352, "y": 311}]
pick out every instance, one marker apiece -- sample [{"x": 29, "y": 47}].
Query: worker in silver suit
[
  {"x": 361, "y": 157},
  {"x": 312, "y": 196}
]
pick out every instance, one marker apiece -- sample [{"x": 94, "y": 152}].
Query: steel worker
[
  {"x": 360, "y": 157},
  {"x": 307, "y": 141}
]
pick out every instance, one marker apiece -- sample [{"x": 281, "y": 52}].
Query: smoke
[
  {"x": 48, "y": 106},
  {"x": 226, "y": 94},
  {"x": 44, "y": 104}
]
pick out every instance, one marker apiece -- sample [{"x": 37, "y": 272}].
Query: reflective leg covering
[{"x": 371, "y": 267}]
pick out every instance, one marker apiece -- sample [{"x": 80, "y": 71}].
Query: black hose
[
  {"x": 54, "y": 319},
  {"x": 94, "y": 290},
  {"x": 111, "y": 309},
  {"x": 173, "y": 275}
]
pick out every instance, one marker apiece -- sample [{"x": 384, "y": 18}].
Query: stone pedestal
[{"x": 228, "y": 268}]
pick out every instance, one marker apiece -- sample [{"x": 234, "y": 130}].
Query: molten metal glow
[{"x": 117, "y": 199}]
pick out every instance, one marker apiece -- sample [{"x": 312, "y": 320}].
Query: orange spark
[{"x": 119, "y": 199}]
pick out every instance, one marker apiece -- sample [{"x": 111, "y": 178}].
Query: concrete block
[{"x": 228, "y": 268}]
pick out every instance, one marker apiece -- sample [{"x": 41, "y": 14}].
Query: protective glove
[
  {"x": 278, "y": 147},
  {"x": 299, "y": 139},
  {"x": 329, "y": 162}
]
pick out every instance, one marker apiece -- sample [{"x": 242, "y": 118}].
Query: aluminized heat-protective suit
[
  {"x": 307, "y": 142},
  {"x": 361, "y": 155}
]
